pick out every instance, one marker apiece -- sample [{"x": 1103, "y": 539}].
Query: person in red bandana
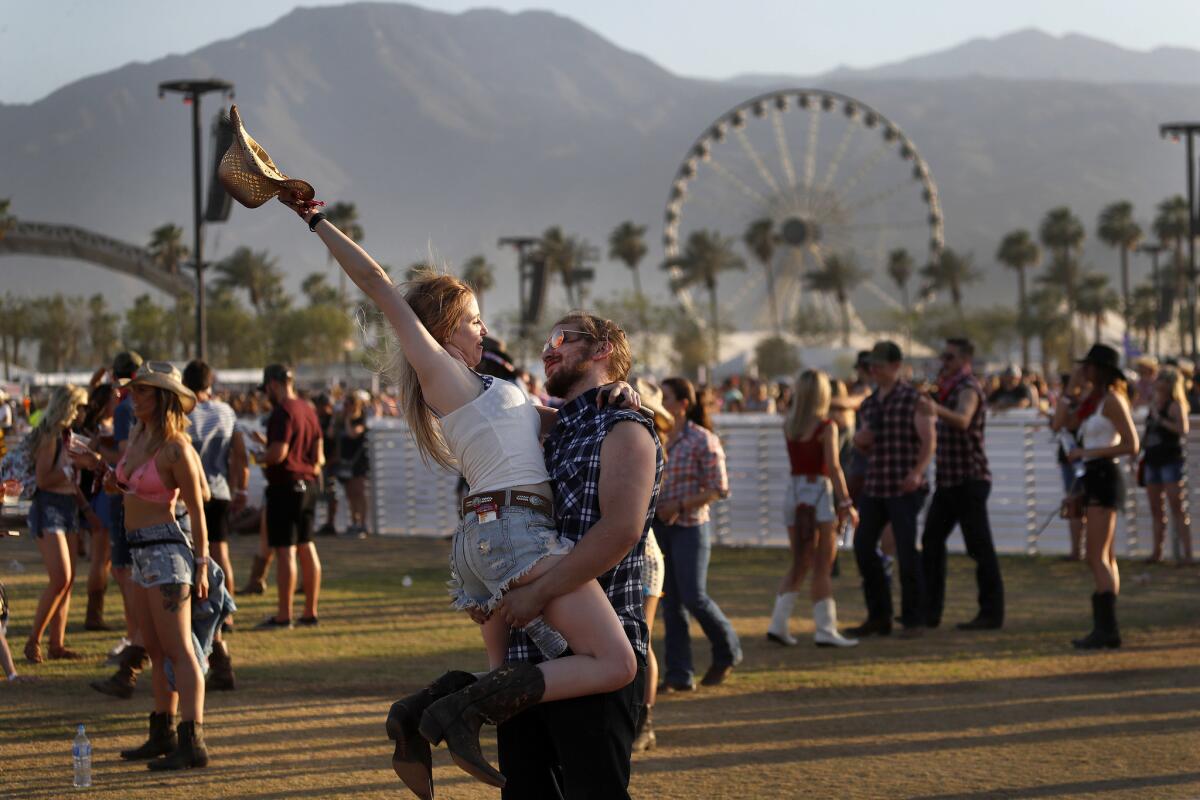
[{"x": 964, "y": 482}]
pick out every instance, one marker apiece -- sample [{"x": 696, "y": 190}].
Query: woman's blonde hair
[
  {"x": 810, "y": 403},
  {"x": 169, "y": 419},
  {"x": 1174, "y": 379},
  {"x": 60, "y": 412},
  {"x": 441, "y": 302}
]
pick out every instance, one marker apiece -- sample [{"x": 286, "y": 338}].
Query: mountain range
[{"x": 451, "y": 130}]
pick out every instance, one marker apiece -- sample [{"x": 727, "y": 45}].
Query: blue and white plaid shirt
[{"x": 572, "y": 453}]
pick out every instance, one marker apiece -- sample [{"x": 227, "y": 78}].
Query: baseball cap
[
  {"x": 125, "y": 364},
  {"x": 886, "y": 352},
  {"x": 274, "y": 372}
]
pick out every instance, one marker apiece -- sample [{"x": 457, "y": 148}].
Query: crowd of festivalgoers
[{"x": 860, "y": 453}]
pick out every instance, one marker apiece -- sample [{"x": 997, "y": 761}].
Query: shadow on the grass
[{"x": 1141, "y": 782}]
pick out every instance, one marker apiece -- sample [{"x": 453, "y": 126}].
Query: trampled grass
[{"x": 1014, "y": 713}]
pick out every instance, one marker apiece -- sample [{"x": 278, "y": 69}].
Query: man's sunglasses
[{"x": 559, "y": 338}]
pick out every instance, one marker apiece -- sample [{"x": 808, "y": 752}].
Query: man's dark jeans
[
  {"x": 686, "y": 550},
  {"x": 965, "y": 506},
  {"x": 572, "y": 749},
  {"x": 901, "y": 512}
]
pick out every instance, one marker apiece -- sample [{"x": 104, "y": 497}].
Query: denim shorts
[
  {"x": 52, "y": 513},
  {"x": 805, "y": 491},
  {"x": 486, "y": 558},
  {"x": 162, "y": 555},
  {"x": 1171, "y": 472}
]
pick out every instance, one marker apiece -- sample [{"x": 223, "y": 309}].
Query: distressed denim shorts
[
  {"x": 161, "y": 555},
  {"x": 653, "y": 567},
  {"x": 487, "y": 558},
  {"x": 803, "y": 490},
  {"x": 52, "y": 513}
]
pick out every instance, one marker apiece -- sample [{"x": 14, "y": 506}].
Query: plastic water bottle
[
  {"x": 82, "y": 751},
  {"x": 546, "y": 638},
  {"x": 1068, "y": 442}
]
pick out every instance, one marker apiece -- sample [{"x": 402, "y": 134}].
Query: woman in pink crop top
[
  {"x": 159, "y": 468},
  {"x": 815, "y": 483},
  {"x": 439, "y": 332}
]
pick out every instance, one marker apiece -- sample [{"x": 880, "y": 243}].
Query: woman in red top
[{"x": 815, "y": 483}]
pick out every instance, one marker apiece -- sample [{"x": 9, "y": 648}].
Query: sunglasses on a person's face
[{"x": 560, "y": 337}]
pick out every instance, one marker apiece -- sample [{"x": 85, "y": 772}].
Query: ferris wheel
[{"x": 833, "y": 176}]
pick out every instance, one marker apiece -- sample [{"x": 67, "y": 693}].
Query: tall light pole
[
  {"x": 1153, "y": 250},
  {"x": 192, "y": 91},
  {"x": 1187, "y": 131}
]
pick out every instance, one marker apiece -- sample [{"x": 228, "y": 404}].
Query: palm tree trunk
[
  {"x": 716, "y": 327},
  {"x": 1096, "y": 329},
  {"x": 772, "y": 302},
  {"x": 1022, "y": 316},
  {"x": 637, "y": 282},
  {"x": 844, "y": 306},
  {"x": 1125, "y": 309}
]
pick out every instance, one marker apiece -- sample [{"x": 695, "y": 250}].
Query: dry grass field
[{"x": 1013, "y": 714}]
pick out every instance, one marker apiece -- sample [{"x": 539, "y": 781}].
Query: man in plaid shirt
[
  {"x": 897, "y": 432},
  {"x": 606, "y": 466},
  {"x": 963, "y": 485}
]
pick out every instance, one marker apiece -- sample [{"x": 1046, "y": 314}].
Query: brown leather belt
[{"x": 506, "y": 497}]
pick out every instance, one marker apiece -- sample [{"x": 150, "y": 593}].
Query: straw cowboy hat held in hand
[
  {"x": 163, "y": 375},
  {"x": 249, "y": 174}
]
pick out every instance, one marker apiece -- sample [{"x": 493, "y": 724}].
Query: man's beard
[{"x": 568, "y": 373}]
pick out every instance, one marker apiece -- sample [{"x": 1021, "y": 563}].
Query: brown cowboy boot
[
  {"x": 220, "y": 668},
  {"x": 94, "y": 619},
  {"x": 191, "y": 751},
  {"x": 162, "y": 738},
  {"x": 121, "y": 683},
  {"x": 496, "y": 697},
  {"x": 257, "y": 583},
  {"x": 412, "y": 760}
]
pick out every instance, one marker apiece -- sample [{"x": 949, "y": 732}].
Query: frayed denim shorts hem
[
  {"x": 487, "y": 558},
  {"x": 161, "y": 555}
]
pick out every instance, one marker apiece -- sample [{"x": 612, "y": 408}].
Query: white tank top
[
  {"x": 495, "y": 438},
  {"x": 1098, "y": 430}
]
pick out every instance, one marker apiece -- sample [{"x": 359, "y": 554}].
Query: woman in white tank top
[
  {"x": 1105, "y": 436},
  {"x": 489, "y": 431}
]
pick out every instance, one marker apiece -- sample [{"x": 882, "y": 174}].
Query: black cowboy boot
[
  {"x": 496, "y": 697},
  {"x": 412, "y": 760},
  {"x": 191, "y": 751},
  {"x": 163, "y": 739},
  {"x": 122, "y": 682},
  {"x": 1104, "y": 625},
  {"x": 220, "y": 668}
]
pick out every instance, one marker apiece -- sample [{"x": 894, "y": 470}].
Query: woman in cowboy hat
[
  {"x": 169, "y": 567},
  {"x": 1105, "y": 435}
]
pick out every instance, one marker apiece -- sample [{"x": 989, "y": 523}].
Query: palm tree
[
  {"x": 838, "y": 275},
  {"x": 760, "y": 240},
  {"x": 627, "y": 244},
  {"x": 1144, "y": 313},
  {"x": 568, "y": 256},
  {"x": 1062, "y": 233},
  {"x": 6, "y": 219},
  {"x": 16, "y": 323},
  {"x": 1096, "y": 298},
  {"x": 1117, "y": 228},
  {"x": 950, "y": 272},
  {"x": 900, "y": 270},
  {"x": 344, "y": 217},
  {"x": 1019, "y": 251},
  {"x": 1171, "y": 227},
  {"x": 317, "y": 290},
  {"x": 705, "y": 256},
  {"x": 480, "y": 276},
  {"x": 254, "y": 272},
  {"x": 167, "y": 247}
]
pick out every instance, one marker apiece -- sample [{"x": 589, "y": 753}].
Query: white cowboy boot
[
  {"x": 825, "y": 619},
  {"x": 777, "y": 631}
]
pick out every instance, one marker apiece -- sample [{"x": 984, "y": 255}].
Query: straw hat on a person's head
[
  {"x": 652, "y": 399},
  {"x": 249, "y": 174},
  {"x": 163, "y": 375}
]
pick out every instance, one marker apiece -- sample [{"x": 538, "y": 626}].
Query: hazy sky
[{"x": 45, "y": 44}]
